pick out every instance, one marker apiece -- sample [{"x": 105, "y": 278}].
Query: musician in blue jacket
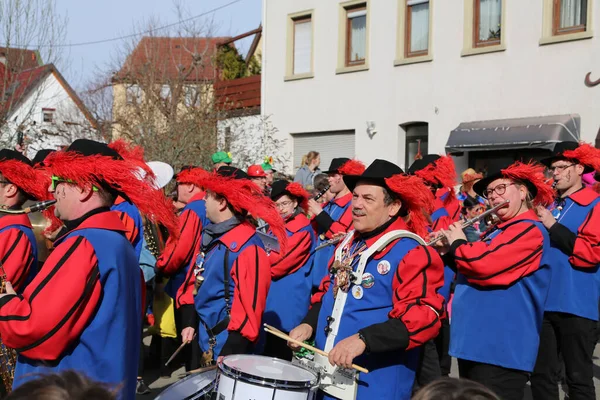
[
  {"x": 379, "y": 317},
  {"x": 502, "y": 284},
  {"x": 289, "y": 295},
  {"x": 572, "y": 307},
  {"x": 83, "y": 309}
]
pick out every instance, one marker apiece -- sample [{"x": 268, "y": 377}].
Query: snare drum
[
  {"x": 243, "y": 377},
  {"x": 198, "y": 386}
]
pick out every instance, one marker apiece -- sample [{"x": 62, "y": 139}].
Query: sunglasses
[{"x": 56, "y": 180}]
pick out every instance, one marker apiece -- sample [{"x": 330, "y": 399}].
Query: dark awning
[{"x": 517, "y": 133}]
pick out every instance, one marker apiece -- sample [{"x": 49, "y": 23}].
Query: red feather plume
[
  {"x": 441, "y": 171},
  {"x": 196, "y": 176},
  {"x": 352, "y": 167},
  {"x": 416, "y": 198},
  {"x": 133, "y": 154},
  {"x": 244, "y": 195},
  {"x": 120, "y": 175},
  {"x": 25, "y": 177},
  {"x": 299, "y": 192},
  {"x": 533, "y": 173},
  {"x": 585, "y": 154}
]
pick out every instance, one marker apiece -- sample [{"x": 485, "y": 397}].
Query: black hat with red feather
[
  {"x": 18, "y": 170},
  {"x": 87, "y": 162},
  {"x": 292, "y": 189}
]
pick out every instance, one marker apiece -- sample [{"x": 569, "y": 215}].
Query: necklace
[{"x": 342, "y": 269}]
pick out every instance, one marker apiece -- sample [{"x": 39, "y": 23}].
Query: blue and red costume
[
  {"x": 132, "y": 219},
  {"x": 82, "y": 311},
  {"x": 289, "y": 295},
  {"x": 575, "y": 256},
  {"x": 231, "y": 301},
  {"x": 18, "y": 250},
  {"x": 179, "y": 255},
  {"x": 336, "y": 218},
  {"x": 501, "y": 290},
  {"x": 396, "y": 315}
]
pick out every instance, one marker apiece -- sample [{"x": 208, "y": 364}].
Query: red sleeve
[
  {"x": 511, "y": 255},
  {"x": 56, "y": 306},
  {"x": 296, "y": 255},
  {"x": 323, "y": 288},
  {"x": 441, "y": 223},
  {"x": 132, "y": 231},
  {"x": 586, "y": 253},
  {"x": 342, "y": 225},
  {"x": 417, "y": 302},
  {"x": 16, "y": 256},
  {"x": 178, "y": 253},
  {"x": 185, "y": 294},
  {"x": 251, "y": 274},
  {"x": 453, "y": 209}
]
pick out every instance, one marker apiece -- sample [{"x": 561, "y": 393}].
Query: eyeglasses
[
  {"x": 559, "y": 168},
  {"x": 5, "y": 182},
  {"x": 56, "y": 180},
  {"x": 499, "y": 190},
  {"x": 283, "y": 204}
]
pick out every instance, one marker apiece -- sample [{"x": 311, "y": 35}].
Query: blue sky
[{"x": 106, "y": 19}]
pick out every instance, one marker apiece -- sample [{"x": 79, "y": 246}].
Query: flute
[{"x": 471, "y": 221}]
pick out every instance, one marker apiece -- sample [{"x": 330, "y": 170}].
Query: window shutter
[
  {"x": 329, "y": 145},
  {"x": 302, "y": 47}
]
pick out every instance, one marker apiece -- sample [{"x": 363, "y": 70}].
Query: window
[
  {"x": 417, "y": 28},
  {"x": 569, "y": 16},
  {"x": 484, "y": 27},
  {"x": 302, "y": 63},
  {"x": 48, "y": 115},
  {"x": 356, "y": 35},
  {"x": 416, "y": 143},
  {"x": 299, "y": 56},
  {"x": 134, "y": 94},
  {"x": 487, "y": 26}
]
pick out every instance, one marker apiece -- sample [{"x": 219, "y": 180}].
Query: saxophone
[{"x": 8, "y": 356}]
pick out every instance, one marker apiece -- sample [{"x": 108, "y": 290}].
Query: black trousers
[
  {"x": 508, "y": 384},
  {"x": 428, "y": 369},
  {"x": 192, "y": 353},
  {"x": 442, "y": 344},
  {"x": 574, "y": 338}
]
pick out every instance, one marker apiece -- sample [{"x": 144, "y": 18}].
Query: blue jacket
[
  {"x": 574, "y": 290},
  {"x": 133, "y": 213},
  {"x": 391, "y": 374},
  {"x": 499, "y": 322},
  {"x": 99, "y": 327}
]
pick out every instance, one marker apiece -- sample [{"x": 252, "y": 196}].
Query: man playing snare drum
[{"x": 385, "y": 295}]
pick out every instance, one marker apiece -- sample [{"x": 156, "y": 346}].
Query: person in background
[
  {"x": 221, "y": 158},
  {"x": 470, "y": 177},
  {"x": 321, "y": 182},
  {"x": 471, "y": 209},
  {"x": 455, "y": 389},
  {"x": 308, "y": 170},
  {"x": 267, "y": 166},
  {"x": 258, "y": 176},
  {"x": 66, "y": 385}
]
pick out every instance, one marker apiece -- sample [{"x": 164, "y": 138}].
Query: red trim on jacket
[
  {"x": 16, "y": 252},
  {"x": 586, "y": 252},
  {"x": 298, "y": 249}
]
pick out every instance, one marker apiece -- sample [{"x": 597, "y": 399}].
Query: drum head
[
  {"x": 192, "y": 387},
  {"x": 270, "y": 371}
]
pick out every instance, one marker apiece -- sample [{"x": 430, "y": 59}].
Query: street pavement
[{"x": 158, "y": 384}]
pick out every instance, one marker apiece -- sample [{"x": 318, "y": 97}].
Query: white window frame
[
  {"x": 344, "y": 9},
  {"x": 290, "y": 75},
  {"x": 469, "y": 45},
  {"x": 549, "y": 36},
  {"x": 402, "y": 37}
]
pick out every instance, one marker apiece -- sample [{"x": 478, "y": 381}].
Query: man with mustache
[
  {"x": 572, "y": 306},
  {"x": 379, "y": 303}
]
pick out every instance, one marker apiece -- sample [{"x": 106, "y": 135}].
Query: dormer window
[{"x": 48, "y": 115}]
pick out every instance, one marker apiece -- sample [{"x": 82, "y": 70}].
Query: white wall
[
  {"x": 49, "y": 94},
  {"x": 524, "y": 80}
]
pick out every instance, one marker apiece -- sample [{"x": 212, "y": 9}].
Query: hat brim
[
  {"x": 480, "y": 186},
  {"x": 352, "y": 180},
  {"x": 549, "y": 160}
]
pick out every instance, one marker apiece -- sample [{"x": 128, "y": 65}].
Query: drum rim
[
  {"x": 211, "y": 386},
  {"x": 274, "y": 383}
]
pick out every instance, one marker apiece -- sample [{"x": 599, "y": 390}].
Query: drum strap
[
  {"x": 218, "y": 328},
  {"x": 226, "y": 282}
]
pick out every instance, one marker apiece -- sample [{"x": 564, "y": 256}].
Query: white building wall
[
  {"x": 524, "y": 80},
  {"x": 49, "y": 94}
]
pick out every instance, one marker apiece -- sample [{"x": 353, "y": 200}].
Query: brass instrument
[
  {"x": 8, "y": 357},
  {"x": 473, "y": 220}
]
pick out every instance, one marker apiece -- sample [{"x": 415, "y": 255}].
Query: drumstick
[
  {"x": 202, "y": 369},
  {"x": 176, "y": 352},
  {"x": 278, "y": 333}
]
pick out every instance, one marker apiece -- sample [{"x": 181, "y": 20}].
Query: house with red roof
[{"x": 38, "y": 107}]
